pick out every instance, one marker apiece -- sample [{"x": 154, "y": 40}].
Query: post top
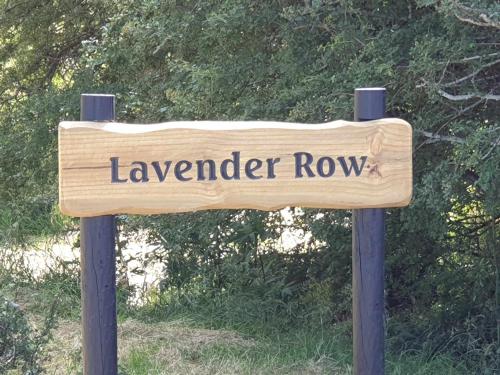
[
  {"x": 97, "y": 107},
  {"x": 370, "y": 89},
  {"x": 369, "y": 103},
  {"x": 105, "y": 95}
]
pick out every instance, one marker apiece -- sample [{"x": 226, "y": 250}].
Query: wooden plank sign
[{"x": 113, "y": 168}]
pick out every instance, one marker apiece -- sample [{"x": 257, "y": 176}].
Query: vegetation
[
  {"x": 191, "y": 342},
  {"x": 281, "y": 60},
  {"x": 21, "y": 344}
]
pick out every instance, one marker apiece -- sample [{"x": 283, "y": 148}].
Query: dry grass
[
  {"x": 133, "y": 333},
  {"x": 63, "y": 351},
  {"x": 173, "y": 348}
]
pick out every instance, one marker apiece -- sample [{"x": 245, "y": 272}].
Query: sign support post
[
  {"x": 98, "y": 269},
  {"x": 368, "y": 261}
]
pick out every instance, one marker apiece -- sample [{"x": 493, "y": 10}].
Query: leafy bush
[{"x": 20, "y": 345}]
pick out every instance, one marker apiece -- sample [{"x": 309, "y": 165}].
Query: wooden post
[
  {"x": 97, "y": 243},
  {"x": 368, "y": 261}
]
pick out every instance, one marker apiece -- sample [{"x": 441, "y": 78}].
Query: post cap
[
  {"x": 369, "y": 103},
  {"x": 97, "y": 107}
]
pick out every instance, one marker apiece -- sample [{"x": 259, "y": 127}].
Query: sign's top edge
[{"x": 224, "y": 125}]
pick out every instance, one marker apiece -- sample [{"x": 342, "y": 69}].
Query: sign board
[{"x": 113, "y": 168}]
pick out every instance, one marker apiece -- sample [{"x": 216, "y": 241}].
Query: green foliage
[
  {"x": 20, "y": 345},
  {"x": 291, "y": 61}
]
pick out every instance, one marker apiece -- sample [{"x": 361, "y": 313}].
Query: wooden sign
[{"x": 113, "y": 168}]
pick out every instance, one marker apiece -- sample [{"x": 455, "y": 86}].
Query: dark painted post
[
  {"x": 368, "y": 261},
  {"x": 97, "y": 244}
]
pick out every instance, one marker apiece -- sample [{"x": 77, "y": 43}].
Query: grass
[
  {"x": 192, "y": 344},
  {"x": 179, "y": 347}
]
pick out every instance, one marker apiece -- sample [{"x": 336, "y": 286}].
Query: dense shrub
[{"x": 20, "y": 344}]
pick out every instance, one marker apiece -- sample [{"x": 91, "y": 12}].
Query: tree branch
[
  {"x": 479, "y": 57},
  {"x": 433, "y": 138},
  {"x": 494, "y": 145},
  {"x": 473, "y": 74},
  {"x": 459, "y": 98},
  {"x": 482, "y": 19}
]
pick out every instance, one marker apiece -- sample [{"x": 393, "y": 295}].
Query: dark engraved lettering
[
  {"x": 299, "y": 165},
  {"x": 161, "y": 174},
  {"x": 115, "y": 175},
  {"x": 211, "y": 170},
  {"x": 140, "y": 173},
  {"x": 271, "y": 162},
  {"x": 320, "y": 166},
  {"x": 235, "y": 161},
  {"x": 249, "y": 168},
  {"x": 353, "y": 166},
  {"x": 182, "y": 167},
  {"x": 206, "y": 169}
]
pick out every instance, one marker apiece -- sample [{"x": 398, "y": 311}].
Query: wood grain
[{"x": 86, "y": 150}]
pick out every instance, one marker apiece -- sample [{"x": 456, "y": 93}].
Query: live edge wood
[{"x": 112, "y": 168}]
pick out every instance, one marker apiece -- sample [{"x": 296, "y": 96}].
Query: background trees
[{"x": 288, "y": 61}]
